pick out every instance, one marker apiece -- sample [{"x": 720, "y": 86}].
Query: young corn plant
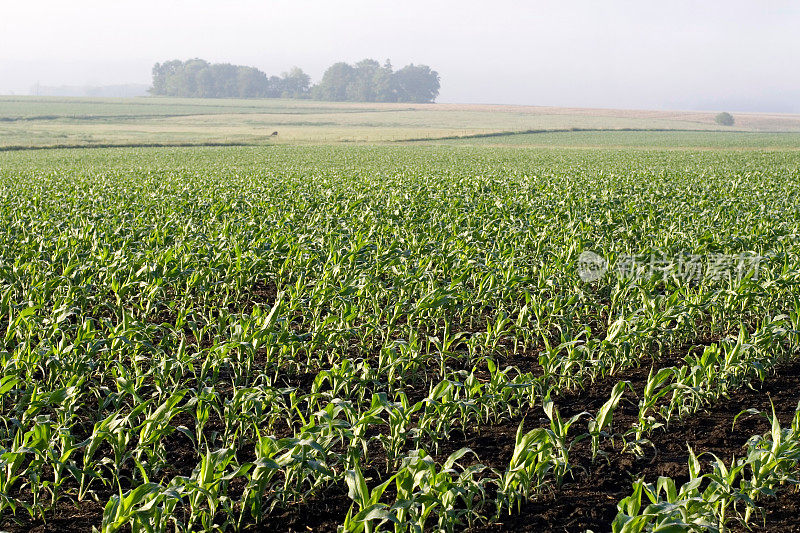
[
  {"x": 558, "y": 433},
  {"x": 206, "y": 489},
  {"x": 400, "y": 418},
  {"x": 707, "y": 502},
  {"x": 771, "y": 460},
  {"x": 371, "y": 514},
  {"x": 451, "y": 493},
  {"x": 533, "y": 459},
  {"x": 132, "y": 508},
  {"x": 601, "y": 425},
  {"x": 657, "y": 386}
]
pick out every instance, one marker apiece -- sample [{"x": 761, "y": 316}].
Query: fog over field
[{"x": 715, "y": 55}]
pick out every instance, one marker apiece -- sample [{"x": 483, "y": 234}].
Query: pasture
[{"x": 76, "y": 122}]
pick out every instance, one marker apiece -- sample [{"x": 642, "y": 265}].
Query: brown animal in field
[{"x": 274, "y": 134}]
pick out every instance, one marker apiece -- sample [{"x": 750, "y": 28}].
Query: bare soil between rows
[{"x": 589, "y": 500}]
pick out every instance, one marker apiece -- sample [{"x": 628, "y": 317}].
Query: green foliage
[
  {"x": 416, "y": 83},
  {"x": 202, "y": 339},
  {"x": 708, "y": 501},
  {"x": 197, "y": 78},
  {"x": 367, "y": 81},
  {"x": 724, "y": 119}
]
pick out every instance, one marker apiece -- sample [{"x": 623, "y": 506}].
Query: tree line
[{"x": 365, "y": 81}]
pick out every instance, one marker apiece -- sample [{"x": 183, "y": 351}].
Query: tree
[
  {"x": 335, "y": 83},
  {"x": 362, "y": 87},
  {"x": 161, "y": 74},
  {"x": 251, "y": 83},
  {"x": 417, "y": 84},
  {"x": 724, "y": 119},
  {"x": 295, "y": 83},
  {"x": 223, "y": 80},
  {"x": 385, "y": 86},
  {"x": 366, "y": 81},
  {"x": 197, "y": 78},
  {"x": 189, "y": 80},
  {"x": 274, "y": 87}
]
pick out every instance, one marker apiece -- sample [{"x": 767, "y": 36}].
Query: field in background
[
  {"x": 638, "y": 139},
  {"x": 43, "y": 122}
]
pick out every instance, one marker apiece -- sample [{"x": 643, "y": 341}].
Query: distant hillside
[
  {"x": 104, "y": 91},
  {"x": 145, "y": 121}
]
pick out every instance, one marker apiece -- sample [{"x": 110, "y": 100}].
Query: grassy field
[
  {"x": 43, "y": 122},
  {"x": 660, "y": 140},
  {"x": 403, "y": 337}
]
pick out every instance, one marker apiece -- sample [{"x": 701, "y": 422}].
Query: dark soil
[
  {"x": 322, "y": 513},
  {"x": 781, "y": 514},
  {"x": 67, "y": 518},
  {"x": 590, "y": 500},
  {"x": 586, "y": 502}
]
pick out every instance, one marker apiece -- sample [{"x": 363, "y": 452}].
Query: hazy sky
[{"x": 713, "y": 54}]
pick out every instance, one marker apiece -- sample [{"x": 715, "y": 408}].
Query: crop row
[{"x": 200, "y": 341}]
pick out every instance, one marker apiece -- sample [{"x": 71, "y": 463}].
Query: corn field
[{"x": 365, "y": 339}]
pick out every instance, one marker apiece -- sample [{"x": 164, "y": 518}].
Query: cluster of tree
[
  {"x": 366, "y": 81},
  {"x": 197, "y": 78}
]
